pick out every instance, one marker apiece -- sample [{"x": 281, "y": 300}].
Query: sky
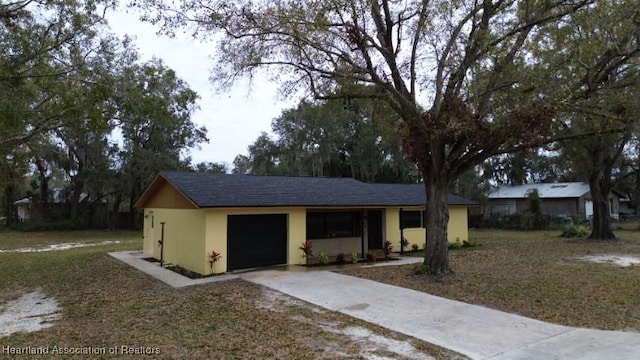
[{"x": 234, "y": 119}]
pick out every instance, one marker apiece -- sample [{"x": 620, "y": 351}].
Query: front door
[{"x": 374, "y": 229}]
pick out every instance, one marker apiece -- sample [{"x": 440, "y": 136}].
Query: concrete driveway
[{"x": 475, "y": 331}]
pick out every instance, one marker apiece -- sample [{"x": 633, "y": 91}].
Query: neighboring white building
[
  {"x": 23, "y": 207},
  {"x": 570, "y": 199}
]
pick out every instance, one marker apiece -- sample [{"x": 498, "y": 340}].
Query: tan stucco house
[{"x": 255, "y": 221}]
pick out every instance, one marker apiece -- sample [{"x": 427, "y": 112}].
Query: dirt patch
[
  {"x": 619, "y": 260},
  {"x": 58, "y": 247},
  {"x": 30, "y": 312},
  {"x": 367, "y": 343},
  {"x": 374, "y": 346},
  {"x": 277, "y": 301}
]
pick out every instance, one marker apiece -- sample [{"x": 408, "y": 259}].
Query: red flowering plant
[
  {"x": 306, "y": 249},
  {"x": 387, "y": 247},
  {"x": 213, "y": 258}
]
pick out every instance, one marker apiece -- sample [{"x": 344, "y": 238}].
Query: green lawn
[
  {"x": 105, "y": 303},
  {"x": 538, "y": 274}
]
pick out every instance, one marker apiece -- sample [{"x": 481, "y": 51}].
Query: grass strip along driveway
[
  {"x": 105, "y": 304},
  {"x": 539, "y": 275}
]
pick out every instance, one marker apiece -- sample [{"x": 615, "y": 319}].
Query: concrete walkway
[
  {"x": 136, "y": 259},
  {"x": 475, "y": 331}
]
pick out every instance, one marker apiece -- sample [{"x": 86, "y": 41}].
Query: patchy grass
[
  {"x": 107, "y": 304},
  {"x": 537, "y": 274},
  {"x": 10, "y": 240}
]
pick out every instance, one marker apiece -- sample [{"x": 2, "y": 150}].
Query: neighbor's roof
[
  {"x": 23, "y": 201},
  {"x": 545, "y": 191},
  {"x": 226, "y": 190}
]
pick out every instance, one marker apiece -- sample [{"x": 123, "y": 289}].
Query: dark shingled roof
[{"x": 225, "y": 190}]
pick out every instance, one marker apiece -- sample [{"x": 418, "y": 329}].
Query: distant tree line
[{"x": 342, "y": 137}]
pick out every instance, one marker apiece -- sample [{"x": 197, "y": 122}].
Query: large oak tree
[
  {"x": 52, "y": 74},
  {"x": 458, "y": 73},
  {"x": 76, "y": 101},
  {"x": 598, "y": 73}
]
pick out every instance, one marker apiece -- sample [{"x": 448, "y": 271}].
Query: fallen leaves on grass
[{"x": 106, "y": 304}]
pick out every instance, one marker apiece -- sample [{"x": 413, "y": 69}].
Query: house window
[
  {"x": 411, "y": 219},
  {"x": 334, "y": 224}
]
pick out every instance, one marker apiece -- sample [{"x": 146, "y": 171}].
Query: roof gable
[
  {"x": 207, "y": 190},
  {"x": 162, "y": 194}
]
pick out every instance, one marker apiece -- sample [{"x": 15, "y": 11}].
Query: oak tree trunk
[
  {"x": 10, "y": 209},
  {"x": 41, "y": 210},
  {"x": 437, "y": 219},
  {"x": 78, "y": 186},
  {"x": 114, "y": 218},
  {"x": 601, "y": 223}
]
